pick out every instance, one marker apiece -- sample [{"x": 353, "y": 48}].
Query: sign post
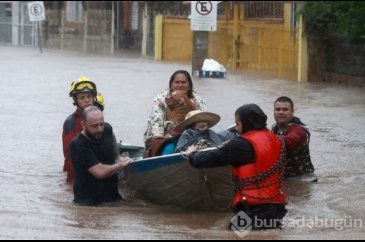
[
  {"x": 36, "y": 14},
  {"x": 203, "y": 19}
]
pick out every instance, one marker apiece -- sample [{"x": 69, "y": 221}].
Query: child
[{"x": 196, "y": 131}]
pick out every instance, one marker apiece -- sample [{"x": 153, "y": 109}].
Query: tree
[{"x": 342, "y": 18}]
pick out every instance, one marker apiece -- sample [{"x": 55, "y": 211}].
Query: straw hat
[{"x": 198, "y": 116}]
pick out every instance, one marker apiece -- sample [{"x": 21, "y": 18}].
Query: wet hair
[
  {"x": 284, "y": 99},
  {"x": 188, "y": 77},
  {"x": 88, "y": 110},
  {"x": 252, "y": 117}
]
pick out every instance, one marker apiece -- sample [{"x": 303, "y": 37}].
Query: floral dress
[{"x": 157, "y": 125}]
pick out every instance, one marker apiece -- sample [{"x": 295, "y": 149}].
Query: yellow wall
[
  {"x": 264, "y": 47},
  {"x": 269, "y": 49},
  {"x": 177, "y": 39},
  {"x": 158, "y": 37},
  {"x": 303, "y": 54}
]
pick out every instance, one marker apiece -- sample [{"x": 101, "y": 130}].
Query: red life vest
[
  {"x": 260, "y": 182},
  {"x": 71, "y": 128}
]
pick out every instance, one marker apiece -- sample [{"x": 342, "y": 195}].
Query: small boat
[{"x": 170, "y": 180}]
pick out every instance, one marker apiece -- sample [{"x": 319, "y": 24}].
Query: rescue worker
[
  {"x": 256, "y": 157},
  {"x": 296, "y": 136},
  {"x": 96, "y": 161},
  {"x": 84, "y": 94}
]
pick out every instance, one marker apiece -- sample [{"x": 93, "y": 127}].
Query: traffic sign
[
  {"x": 36, "y": 11},
  {"x": 204, "y": 15}
]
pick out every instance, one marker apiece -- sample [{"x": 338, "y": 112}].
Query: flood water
[{"x": 36, "y": 203}]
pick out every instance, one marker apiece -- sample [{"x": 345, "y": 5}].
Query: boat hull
[{"x": 171, "y": 180}]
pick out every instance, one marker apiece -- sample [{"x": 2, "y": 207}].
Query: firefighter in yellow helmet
[
  {"x": 84, "y": 94},
  {"x": 83, "y": 91}
]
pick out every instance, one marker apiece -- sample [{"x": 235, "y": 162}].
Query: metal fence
[{"x": 264, "y": 10}]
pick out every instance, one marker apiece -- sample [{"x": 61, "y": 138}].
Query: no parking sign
[
  {"x": 204, "y": 15},
  {"x": 36, "y": 11}
]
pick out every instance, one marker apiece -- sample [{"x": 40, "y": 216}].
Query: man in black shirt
[{"x": 96, "y": 161}]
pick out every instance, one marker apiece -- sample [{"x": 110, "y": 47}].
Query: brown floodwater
[{"x": 36, "y": 203}]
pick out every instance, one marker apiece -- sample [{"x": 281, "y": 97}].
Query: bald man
[{"x": 96, "y": 160}]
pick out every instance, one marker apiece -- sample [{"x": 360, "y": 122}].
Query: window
[
  {"x": 5, "y": 12},
  {"x": 74, "y": 11},
  {"x": 264, "y": 10}
]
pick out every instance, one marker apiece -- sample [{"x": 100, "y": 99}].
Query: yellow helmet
[
  {"x": 83, "y": 84},
  {"x": 100, "y": 102}
]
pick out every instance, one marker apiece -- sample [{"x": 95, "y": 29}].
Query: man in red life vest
[
  {"x": 256, "y": 157},
  {"x": 84, "y": 94}
]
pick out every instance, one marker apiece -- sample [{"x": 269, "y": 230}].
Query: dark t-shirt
[{"x": 86, "y": 153}]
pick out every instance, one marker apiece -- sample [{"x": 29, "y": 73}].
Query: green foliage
[{"x": 327, "y": 19}]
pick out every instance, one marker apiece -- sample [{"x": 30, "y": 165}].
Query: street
[{"x": 36, "y": 203}]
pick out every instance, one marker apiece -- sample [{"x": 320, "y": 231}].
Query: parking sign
[
  {"x": 204, "y": 15},
  {"x": 36, "y": 11}
]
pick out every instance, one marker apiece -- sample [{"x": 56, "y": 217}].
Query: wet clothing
[
  {"x": 71, "y": 128},
  {"x": 263, "y": 217},
  {"x": 236, "y": 152},
  {"x": 157, "y": 125},
  {"x": 296, "y": 137},
  {"x": 193, "y": 137},
  {"x": 240, "y": 152},
  {"x": 261, "y": 182},
  {"x": 86, "y": 153}
]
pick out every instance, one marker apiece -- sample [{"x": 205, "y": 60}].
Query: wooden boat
[{"x": 170, "y": 180}]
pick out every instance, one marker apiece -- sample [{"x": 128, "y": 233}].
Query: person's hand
[
  {"x": 167, "y": 136},
  {"x": 170, "y": 128},
  {"x": 174, "y": 132},
  {"x": 124, "y": 161},
  {"x": 190, "y": 150}
]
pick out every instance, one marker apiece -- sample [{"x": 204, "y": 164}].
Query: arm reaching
[{"x": 101, "y": 171}]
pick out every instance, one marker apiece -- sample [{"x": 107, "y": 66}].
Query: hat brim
[{"x": 211, "y": 118}]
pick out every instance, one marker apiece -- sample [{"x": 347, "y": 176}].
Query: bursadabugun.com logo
[
  {"x": 338, "y": 224},
  {"x": 242, "y": 224}
]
